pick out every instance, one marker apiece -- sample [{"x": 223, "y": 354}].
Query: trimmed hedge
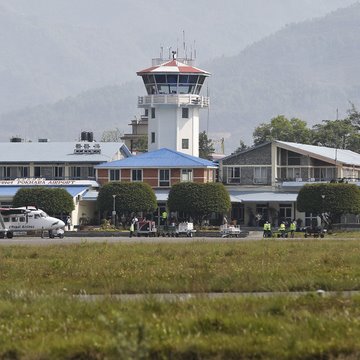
[
  {"x": 130, "y": 197},
  {"x": 51, "y": 200},
  {"x": 199, "y": 200}
]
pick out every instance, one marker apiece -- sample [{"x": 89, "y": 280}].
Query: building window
[
  {"x": 324, "y": 173},
  {"x": 310, "y": 219},
  {"x": 114, "y": 175},
  {"x": 146, "y": 112},
  {"x": 293, "y": 173},
  {"x": 285, "y": 213},
  {"x": 260, "y": 175},
  {"x": 49, "y": 172},
  {"x": 82, "y": 172},
  {"x": 262, "y": 214},
  {"x": 59, "y": 172},
  {"x": 186, "y": 175},
  {"x": 153, "y": 113},
  {"x": 185, "y": 113},
  {"x": 294, "y": 158},
  {"x": 136, "y": 175},
  {"x": 152, "y": 137},
  {"x": 164, "y": 177},
  {"x": 234, "y": 174},
  {"x": 185, "y": 143},
  {"x": 13, "y": 172}
]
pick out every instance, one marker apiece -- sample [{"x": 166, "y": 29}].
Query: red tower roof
[{"x": 172, "y": 66}]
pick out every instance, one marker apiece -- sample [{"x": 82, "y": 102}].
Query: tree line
[{"x": 339, "y": 133}]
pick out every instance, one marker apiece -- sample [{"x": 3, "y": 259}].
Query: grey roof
[
  {"x": 46, "y": 152},
  {"x": 261, "y": 197},
  {"x": 324, "y": 153}
]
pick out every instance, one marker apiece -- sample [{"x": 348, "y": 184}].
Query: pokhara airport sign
[{"x": 40, "y": 182}]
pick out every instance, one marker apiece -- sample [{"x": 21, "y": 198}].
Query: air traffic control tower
[{"x": 172, "y": 104}]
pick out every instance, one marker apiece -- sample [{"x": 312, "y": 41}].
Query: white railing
[{"x": 174, "y": 99}]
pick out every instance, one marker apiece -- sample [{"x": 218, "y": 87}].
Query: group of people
[{"x": 283, "y": 229}]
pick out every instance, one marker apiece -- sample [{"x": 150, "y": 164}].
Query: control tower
[{"x": 172, "y": 104}]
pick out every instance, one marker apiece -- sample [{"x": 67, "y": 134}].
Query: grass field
[
  {"x": 40, "y": 319},
  {"x": 191, "y": 267}
]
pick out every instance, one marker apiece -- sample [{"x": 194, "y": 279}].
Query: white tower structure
[{"x": 172, "y": 104}]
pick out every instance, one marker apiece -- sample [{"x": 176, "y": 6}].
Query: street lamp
[
  {"x": 322, "y": 208},
  {"x": 114, "y": 211}
]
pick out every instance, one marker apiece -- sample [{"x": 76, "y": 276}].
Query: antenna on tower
[
  {"x": 161, "y": 51},
  {"x": 184, "y": 46},
  {"x": 194, "y": 50}
]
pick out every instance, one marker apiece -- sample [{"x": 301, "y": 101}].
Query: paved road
[
  {"x": 253, "y": 236},
  {"x": 18, "y": 240}
]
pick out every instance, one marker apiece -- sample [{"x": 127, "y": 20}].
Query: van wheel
[
  {"x": 2, "y": 235},
  {"x": 9, "y": 235}
]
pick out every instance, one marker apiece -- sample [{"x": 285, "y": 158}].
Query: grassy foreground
[
  {"x": 40, "y": 319},
  {"x": 308, "y": 327}
]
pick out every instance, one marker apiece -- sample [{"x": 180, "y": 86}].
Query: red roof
[{"x": 173, "y": 66}]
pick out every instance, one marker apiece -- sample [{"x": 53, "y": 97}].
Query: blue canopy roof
[
  {"x": 10, "y": 191},
  {"x": 162, "y": 158}
]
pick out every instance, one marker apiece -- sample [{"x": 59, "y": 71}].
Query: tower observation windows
[{"x": 173, "y": 84}]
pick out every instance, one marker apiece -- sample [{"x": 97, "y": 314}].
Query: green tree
[
  {"x": 130, "y": 197},
  {"x": 112, "y": 135},
  {"x": 341, "y": 134},
  {"x": 141, "y": 144},
  {"x": 51, "y": 200},
  {"x": 206, "y": 146},
  {"x": 242, "y": 147},
  {"x": 199, "y": 201},
  {"x": 281, "y": 128},
  {"x": 354, "y": 116},
  {"x": 329, "y": 201}
]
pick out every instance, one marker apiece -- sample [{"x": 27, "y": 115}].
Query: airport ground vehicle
[
  {"x": 182, "y": 229},
  {"x": 146, "y": 228},
  {"x": 29, "y": 218},
  {"x": 315, "y": 232},
  {"x": 230, "y": 230}
]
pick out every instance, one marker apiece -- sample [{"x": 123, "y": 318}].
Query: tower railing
[{"x": 174, "y": 99}]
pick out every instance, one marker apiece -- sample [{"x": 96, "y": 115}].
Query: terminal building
[{"x": 70, "y": 165}]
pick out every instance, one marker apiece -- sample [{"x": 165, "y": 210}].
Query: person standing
[
  {"x": 282, "y": 229},
  {"x": 292, "y": 229},
  {"x": 134, "y": 220},
  {"x": 68, "y": 223},
  {"x": 164, "y": 216},
  {"x": 267, "y": 229}
]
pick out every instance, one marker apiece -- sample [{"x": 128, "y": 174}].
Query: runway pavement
[{"x": 24, "y": 240}]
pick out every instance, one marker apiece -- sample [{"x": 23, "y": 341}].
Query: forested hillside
[{"x": 305, "y": 70}]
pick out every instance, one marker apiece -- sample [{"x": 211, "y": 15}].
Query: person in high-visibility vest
[
  {"x": 164, "y": 216},
  {"x": 282, "y": 229},
  {"x": 292, "y": 228},
  {"x": 267, "y": 229}
]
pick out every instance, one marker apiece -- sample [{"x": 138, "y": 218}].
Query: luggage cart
[
  {"x": 230, "y": 230},
  {"x": 146, "y": 228},
  {"x": 185, "y": 229}
]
